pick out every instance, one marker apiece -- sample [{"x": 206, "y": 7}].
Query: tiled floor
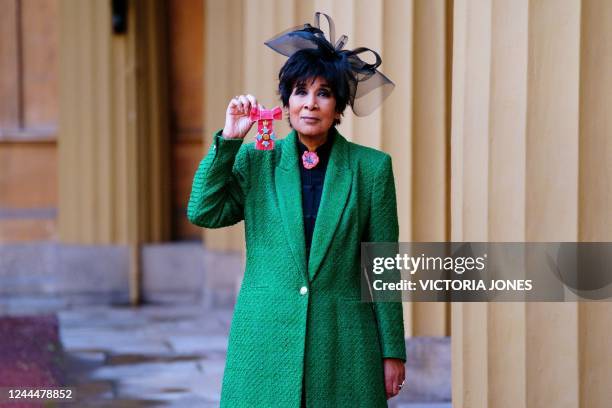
[
  {"x": 148, "y": 356},
  {"x": 151, "y": 356}
]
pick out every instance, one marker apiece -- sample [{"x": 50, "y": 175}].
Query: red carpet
[{"x": 30, "y": 354}]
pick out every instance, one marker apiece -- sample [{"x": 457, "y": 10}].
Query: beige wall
[{"x": 530, "y": 158}]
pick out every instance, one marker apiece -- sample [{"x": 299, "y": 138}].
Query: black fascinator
[{"x": 368, "y": 87}]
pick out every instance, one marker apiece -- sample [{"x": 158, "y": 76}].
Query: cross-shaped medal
[{"x": 265, "y": 126}]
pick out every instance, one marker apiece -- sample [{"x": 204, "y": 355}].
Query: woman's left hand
[{"x": 394, "y": 376}]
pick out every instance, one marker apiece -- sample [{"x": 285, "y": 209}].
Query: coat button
[{"x": 303, "y": 290}]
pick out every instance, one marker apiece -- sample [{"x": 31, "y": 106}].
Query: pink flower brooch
[{"x": 310, "y": 159}]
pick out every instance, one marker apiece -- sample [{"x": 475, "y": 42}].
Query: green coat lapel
[
  {"x": 336, "y": 189},
  {"x": 289, "y": 192}
]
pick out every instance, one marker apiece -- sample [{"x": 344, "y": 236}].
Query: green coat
[{"x": 295, "y": 321}]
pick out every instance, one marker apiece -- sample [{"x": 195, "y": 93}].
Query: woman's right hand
[{"x": 237, "y": 117}]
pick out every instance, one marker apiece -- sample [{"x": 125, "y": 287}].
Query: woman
[{"x": 300, "y": 335}]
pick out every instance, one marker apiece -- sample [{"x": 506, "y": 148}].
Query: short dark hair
[{"x": 308, "y": 64}]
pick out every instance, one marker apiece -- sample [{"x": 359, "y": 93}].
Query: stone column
[
  {"x": 223, "y": 78},
  {"x": 595, "y": 192},
  {"x": 528, "y": 149},
  {"x": 430, "y": 215},
  {"x": 113, "y": 162}
]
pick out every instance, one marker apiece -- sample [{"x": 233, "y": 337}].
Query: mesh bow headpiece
[{"x": 368, "y": 87}]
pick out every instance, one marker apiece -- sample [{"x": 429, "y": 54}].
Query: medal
[{"x": 265, "y": 126}]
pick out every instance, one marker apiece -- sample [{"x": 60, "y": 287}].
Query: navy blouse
[{"x": 312, "y": 186}]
